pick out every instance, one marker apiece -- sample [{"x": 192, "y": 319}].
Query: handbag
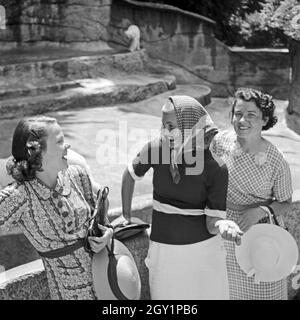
[
  {"x": 136, "y": 226},
  {"x": 99, "y": 217}
]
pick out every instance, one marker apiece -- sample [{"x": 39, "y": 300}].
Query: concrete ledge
[
  {"x": 89, "y": 93},
  {"x": 28, "y": 281},
  {"x": 72, "y": 68}
]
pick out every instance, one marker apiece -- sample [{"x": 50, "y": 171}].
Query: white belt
[{"x": 167, "y": 208}]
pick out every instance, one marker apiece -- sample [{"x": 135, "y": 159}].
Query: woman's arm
[
  {"x": 251, "y": 216},
  {"x": 280, "y": 208},
  {"x": 134, "y": 171},
  {"x": 128, "y": 184},
  {"x": 211, "y": 224}
]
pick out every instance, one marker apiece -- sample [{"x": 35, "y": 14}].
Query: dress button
[
  {"x": 69, "y": 224},
  {"x": 59, "y": 204},
  {"x": 65, "y": 214},
  {"x": 55, "y": 194}
]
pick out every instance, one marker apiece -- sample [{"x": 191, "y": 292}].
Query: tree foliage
[
  {"x": 282, "y": 15},
  {"x": 238, "y": 21},
  {"x": 223, "y": 12}
]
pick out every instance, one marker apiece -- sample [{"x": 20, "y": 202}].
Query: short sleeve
[
  {"x": 217, "y": 190},
  {"x": 283, "y": 189},
  {"x": 219, "y": 143},
  {"x": 141, "y": 163},
  {"x": 13, "y": 203}
]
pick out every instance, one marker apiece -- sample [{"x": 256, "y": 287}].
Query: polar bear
[{"x": 133, "y": 33}]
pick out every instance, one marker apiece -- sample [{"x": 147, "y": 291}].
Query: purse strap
[
  {"x": 112, "y": 272},
  {"x": 272, "y": 216}
]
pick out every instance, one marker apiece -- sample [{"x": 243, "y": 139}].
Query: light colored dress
[
  {"x": 252, "y": 179},
  {"x": 52, "y": 219}
]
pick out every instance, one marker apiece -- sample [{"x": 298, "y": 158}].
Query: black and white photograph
[{"x": 149, "y": 150}]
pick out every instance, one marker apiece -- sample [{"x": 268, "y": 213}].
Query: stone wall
[
  {"x": 72, "y": 23},
  {"x": 178, "y": 42},
  {"x": 183, "y": 43},
  {"x": 267, "y": 69}
]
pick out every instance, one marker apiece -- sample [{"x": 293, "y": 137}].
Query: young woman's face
[
  {"x": 169, "y": 121},
  {"x": 54, "y": 157},
  {"x": 247, "y": 119},
  {"x": 170, "y": 131}
]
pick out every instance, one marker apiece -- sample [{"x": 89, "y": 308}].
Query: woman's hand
[
  {"x": 249, "y": 217},
  {"x": 121, "y": 221},
  {"x": 98, "y": 243},
  {"x": 229, "y": 230}
]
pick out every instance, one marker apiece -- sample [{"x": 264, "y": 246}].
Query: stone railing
[{"x": 29, "y": 281}]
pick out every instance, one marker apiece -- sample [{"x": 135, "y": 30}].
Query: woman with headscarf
[
  {"x": 259, "y": 183},
  {"x": 51, "y": 202},
  {"x": 186, "y": 258}
]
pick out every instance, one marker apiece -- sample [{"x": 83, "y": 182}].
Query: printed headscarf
[{"x": 192, "y": 116}]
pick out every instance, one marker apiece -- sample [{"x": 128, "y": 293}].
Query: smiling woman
[
  {"x": 259, "y": 184},
  {"x": 51, "y": 202}
]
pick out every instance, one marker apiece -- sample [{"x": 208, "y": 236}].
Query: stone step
[
  {"x": 89, "y": 93},
  {"x": 51, "y": 67},
  {"x": 26, "y": 90}
]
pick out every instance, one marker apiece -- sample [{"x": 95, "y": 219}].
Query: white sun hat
[
  {"x": 116, "y": 277},
  {"x": 268, "y": 252}
]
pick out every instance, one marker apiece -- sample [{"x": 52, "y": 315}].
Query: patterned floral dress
[
  {"x": 252, "y": 179},
  {"x": 52, "y": 219}
]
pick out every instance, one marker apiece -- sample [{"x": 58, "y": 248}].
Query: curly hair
[
  {"x": 29, "y": 141},
  {"x": 263, "y": 101}
]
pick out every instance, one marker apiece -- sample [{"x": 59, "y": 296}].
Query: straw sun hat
[
  {"x": 116, "y": 277},
  {"x": 268, "y": 252}
]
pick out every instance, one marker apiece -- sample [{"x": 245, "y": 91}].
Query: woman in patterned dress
[
  {"x": 259, "y": 181},
  {"x": 51, "y": 203},
  {"x": 186, "y": 257}
]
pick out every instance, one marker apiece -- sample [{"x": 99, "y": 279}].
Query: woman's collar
[{"x": 62, "y": 187}]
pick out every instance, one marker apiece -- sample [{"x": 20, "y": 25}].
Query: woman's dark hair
[
  {"x": 263, "y": 101},
  {"x": 29, "y": 140}
]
